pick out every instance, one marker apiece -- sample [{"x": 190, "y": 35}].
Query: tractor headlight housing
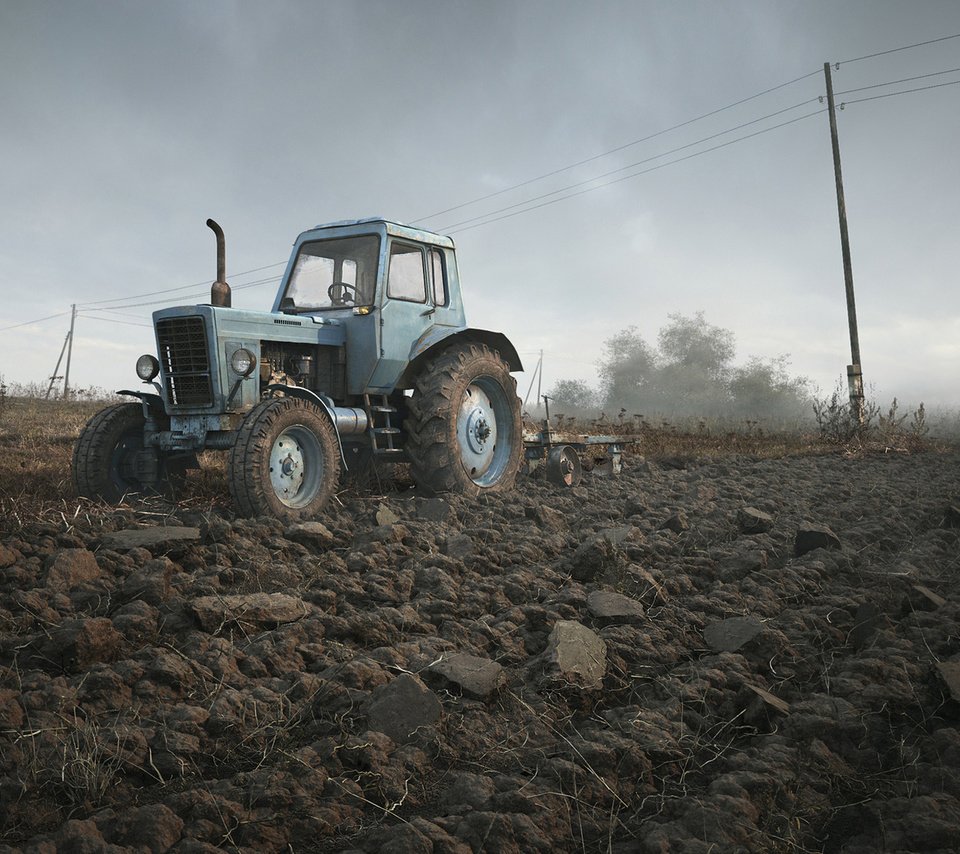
[
  {"x": 243, "y": 362},
  {"x": 147, "y": 367}
]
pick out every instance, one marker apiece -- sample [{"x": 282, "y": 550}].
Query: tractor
[{"x": 364, "y": 358}]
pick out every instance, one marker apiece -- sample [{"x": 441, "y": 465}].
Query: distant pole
[
  {"x": 854, "y": 371},
  {"x": 66, "y": 372},
  {"x": 54, "y": 378},
  {"x": 540, "y": 376},
  {"x": 534, "y": 376}
]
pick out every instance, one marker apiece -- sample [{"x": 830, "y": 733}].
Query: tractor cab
[{"x": 389, "y": 285}]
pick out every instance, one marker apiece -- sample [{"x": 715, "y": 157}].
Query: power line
[
  {"x": 901, "y": 80},
  {"x": 182, "y": 287},
  {"x": 902, "y": 92},
  {"x": 643, "y": 171},
  {"x": 619, "y": 147},
  {"x": 114, "y": 320},
  {"x": 632, "y": 165},
  {"x": 31, "y": 322},
  {"x": 196, "y": 295},
  {"x": 898, "y": 49}
]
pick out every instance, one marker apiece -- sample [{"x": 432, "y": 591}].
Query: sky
[{"x": 125, "y": 125}]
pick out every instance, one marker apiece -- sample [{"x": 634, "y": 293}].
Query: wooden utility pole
[
  {"x": 66, "y": 373},
  {"x": 854, "y": 371},
  {"x": 537, "y": 374},
  {"x": 540, "y": 377},
  {"x": 55, "y": 376}
]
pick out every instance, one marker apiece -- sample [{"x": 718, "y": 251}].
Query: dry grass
[
  {"x": 37, "y": 438},
  {"x": 36, "y": 448}
]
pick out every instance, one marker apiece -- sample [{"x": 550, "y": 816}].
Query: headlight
[
  {"x": 147, "y": 367},
  {"x": 243, "y": 362}
]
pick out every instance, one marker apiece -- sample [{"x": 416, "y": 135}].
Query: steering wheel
[{"x": 343, "y": 294}]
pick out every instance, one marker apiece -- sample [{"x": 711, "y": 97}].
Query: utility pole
[
  {"x": 540, "y": 377},
  {"x": 537, "y": 372},
  {"x": 66, "y": 373},
  {"x": 854, "y": 371},
  {"x": 55, "y": 377}
]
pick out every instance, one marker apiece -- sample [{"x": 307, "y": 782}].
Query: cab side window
[
  {"x": 405, "y": 278},
  {"x": 439, "y": 272}
]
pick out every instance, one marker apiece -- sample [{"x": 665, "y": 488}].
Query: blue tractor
[{"x": 365, "y": 357}]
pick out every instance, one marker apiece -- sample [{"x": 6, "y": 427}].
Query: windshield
[{"x": 333, "y": 274}]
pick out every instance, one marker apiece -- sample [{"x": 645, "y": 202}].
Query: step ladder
[{"x": 380, "y": 427}]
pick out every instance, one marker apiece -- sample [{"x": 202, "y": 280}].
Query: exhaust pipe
[{"x": 220, "y": 291}]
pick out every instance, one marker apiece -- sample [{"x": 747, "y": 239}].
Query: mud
[{"x": 449, "y": 675}]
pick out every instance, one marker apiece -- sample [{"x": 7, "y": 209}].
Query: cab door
[{"x": 407, "y": 309}]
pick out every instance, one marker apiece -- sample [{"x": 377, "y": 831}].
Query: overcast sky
[{"x": 126, "y": 124}]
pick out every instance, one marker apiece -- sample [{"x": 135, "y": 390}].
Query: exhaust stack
[{"x": 220, "y": 290}]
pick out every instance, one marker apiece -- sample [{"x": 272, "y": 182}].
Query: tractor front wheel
[
  {"x": 285, "y": 462},
  {"x": 105, "y": 457},
  {"x": 464, "y": 433}
]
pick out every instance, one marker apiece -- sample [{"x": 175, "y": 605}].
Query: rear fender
[{"x": 439, "y": 338}]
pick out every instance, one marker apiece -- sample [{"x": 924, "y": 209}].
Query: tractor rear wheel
[
  {"x": 104, "y": 458},
  {"x": 285, "y": 462},
  {"x": 464, "y": 432}
]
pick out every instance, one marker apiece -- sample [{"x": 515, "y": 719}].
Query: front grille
[{"x": 186, "y": 365}]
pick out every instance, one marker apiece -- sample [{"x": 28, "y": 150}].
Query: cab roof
[{"x": 394, "y": 229}]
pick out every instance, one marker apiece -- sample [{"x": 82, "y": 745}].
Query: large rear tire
[
  {"x": 105, "y": 454},
  {"x": 285, "y": 462},
  {"x": 464, "y": 433}
]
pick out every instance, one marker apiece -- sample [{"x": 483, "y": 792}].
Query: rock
[
  {"x": 399, "y": 708},
  {"x": 950, "y": 673},
  {"x": 257, "y": 608},
  {"x": 593, "y": 558},
  {"x": 635, "y": 505},
  {"x": 71, "y": 567},
  {"x": 677, "y": 523},
  {"x": 11, "y": 712},
  {"x": 474, "y": 676},
  {"x": 78, "y": 643},
  {"x": 8, "y": 557},
  {"x": 731, "y": 634},
  {"x": 145, "y": 538},
  {"x": 150, "y": 582},
  {"x": 610, "y": 607},
  {"x": 136, "y": 621},
  {"x": 546, "y": 517},
  {"x": 742, "y": 563},
  {"x": 398, "y": 839},
  {"x": 433, "y": 509},
  {"x": 753, "y": 521},
  {"x": 458, "y": 546},
  {"x": 154, "y": 828},
  {"x": 385, "y": 516},
  {"x": 473, "y": 791},
  {"x": 812, "y": 536},
  {"x": 578, "y": 653},
  {"x": 77, "y": 836},
  {"x": 103, "y": 689},
  {"x": 310, "y": 534}
]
